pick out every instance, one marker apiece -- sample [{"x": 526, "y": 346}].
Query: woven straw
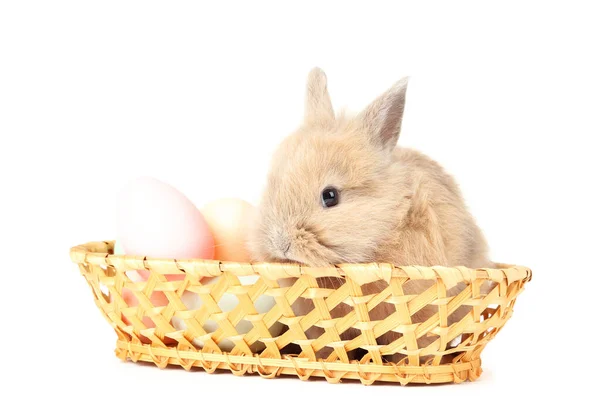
[{"x": 451, "y": 353}]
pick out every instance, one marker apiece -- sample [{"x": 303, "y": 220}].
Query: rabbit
[{"x": 340, "y": 190}]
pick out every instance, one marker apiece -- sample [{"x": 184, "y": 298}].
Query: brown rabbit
[{"x": 340, "y": 191}]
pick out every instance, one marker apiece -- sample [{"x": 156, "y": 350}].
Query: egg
[
  {"x": 156, "y": 220},
  {"x": 229, "y": 220},
  {"x": 228, "y": 302}
]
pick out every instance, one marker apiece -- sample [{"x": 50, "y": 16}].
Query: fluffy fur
[{"x": 396, "y": 204}]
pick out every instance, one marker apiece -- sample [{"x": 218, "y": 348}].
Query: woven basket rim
[{"x": 97, "y": 252}]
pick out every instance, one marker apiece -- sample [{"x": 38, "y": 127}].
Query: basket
[{"x": 434, "y": 350}]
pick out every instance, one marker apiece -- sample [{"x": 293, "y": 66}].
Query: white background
[{"x": 93, "y": 94}]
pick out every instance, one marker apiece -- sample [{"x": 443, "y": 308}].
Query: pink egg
[{"x": 156, "y": 220}]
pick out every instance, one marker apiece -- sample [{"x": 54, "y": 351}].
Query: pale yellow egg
[{"x": 230, "y": 220}]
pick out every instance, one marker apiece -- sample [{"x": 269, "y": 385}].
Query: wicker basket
[{"x": 451, "y": 354}]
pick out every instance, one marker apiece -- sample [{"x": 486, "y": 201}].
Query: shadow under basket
[{"x": 419, "y": 324}]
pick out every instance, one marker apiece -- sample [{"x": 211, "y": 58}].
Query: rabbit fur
[{"x": 396, "y": 205}]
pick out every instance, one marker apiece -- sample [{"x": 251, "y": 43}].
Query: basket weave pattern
[{"x": 451, "y": 352}]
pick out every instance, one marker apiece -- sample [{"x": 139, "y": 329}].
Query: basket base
[{"x": 333, "y": 372}]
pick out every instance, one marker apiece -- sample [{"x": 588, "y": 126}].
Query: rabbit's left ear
[
  {"x": 382, "y": 119},
  {"x": 318, "y": 108}
]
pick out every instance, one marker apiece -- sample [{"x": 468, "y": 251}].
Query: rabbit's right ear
[
  {"x": 382, "y": 119},
  {"x": 318, "y": 108}
]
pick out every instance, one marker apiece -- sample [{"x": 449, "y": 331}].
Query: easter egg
[
  {"x": 156, "y": 220},
  {"x": 229, "y": 221},
  {"x": 228, "y": 302}
]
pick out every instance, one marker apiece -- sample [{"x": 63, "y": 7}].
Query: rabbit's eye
[{"x": 330, "y": 197}]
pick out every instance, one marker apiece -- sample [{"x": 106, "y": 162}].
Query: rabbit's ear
[
  {"x": 382, "y": 119},
  {"x": 318, "y": 108}
]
